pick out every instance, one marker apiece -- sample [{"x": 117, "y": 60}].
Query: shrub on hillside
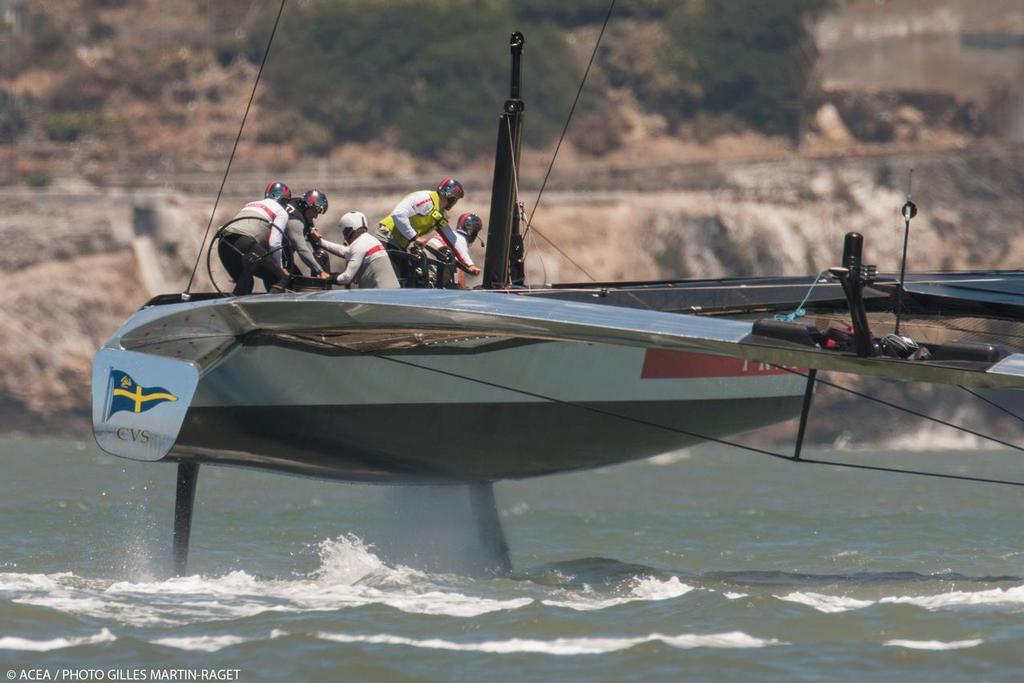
[
  {"x": 749, "y": 58},
  {"x": 582, "y": 12},
  {"x": 69, "y": 126},
  {"x": 13, "y": 117},
  {"x": 43, "y": 42}
]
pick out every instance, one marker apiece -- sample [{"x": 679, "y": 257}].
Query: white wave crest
[
  {"x": 994, "y": 596},
  {"x": 562, "y": 646},
  {"x": 201, "y": 643},
  {"x": 834, "y": 603},
  {"x": 934, "y": 644},
  {"x": 644, "y": 588},
  {"x": 16, "y": 643},
  {"x": 826, "y": 603}
]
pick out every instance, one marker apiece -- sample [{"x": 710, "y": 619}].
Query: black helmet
[
  {"x": 316, "y": 200},
  {"x": 898, "y": 345},
  {"x": 469, "y": 225},
  {"x": 277, "y": 191},
  {"x": 451, "y": 189}
]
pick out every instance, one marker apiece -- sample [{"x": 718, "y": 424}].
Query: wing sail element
[{"x": 173, "y": 332}]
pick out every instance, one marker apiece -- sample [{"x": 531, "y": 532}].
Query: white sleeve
[
  {"x": 342, "y": 250},
  {"x": 354, "y": 264},
  {"x": 459, "y": 247},
  {"x": 404, "y": 226}
]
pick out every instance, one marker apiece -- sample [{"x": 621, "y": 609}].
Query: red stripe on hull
[{"x": 666, "y": 364}]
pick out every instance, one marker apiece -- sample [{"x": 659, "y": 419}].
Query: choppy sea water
[{"x": 706, "y": 565}]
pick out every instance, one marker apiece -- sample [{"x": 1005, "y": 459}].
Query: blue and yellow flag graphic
[{"x": 127, "y": 394}]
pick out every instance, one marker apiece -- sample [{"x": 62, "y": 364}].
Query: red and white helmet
[
  {"x": 469, "y": 225},
  {"x": 277, "y": 191},
  {"x": 451, "y": 189},
  {"x": 316, "y": 200}
]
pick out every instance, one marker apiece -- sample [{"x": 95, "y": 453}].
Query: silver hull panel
[
  {"x": 431, "y": 386},
  {"x": 477, "y": 414}
]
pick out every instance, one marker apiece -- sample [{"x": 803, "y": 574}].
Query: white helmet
[{"x": 352, "y": 221}]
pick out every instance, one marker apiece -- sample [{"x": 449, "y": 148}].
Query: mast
[{"x": 503, "y": 263}]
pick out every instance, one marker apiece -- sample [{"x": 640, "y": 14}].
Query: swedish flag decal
[{"x": 127, "y": 394}]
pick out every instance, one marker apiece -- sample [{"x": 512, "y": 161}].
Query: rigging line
[
  {"x": 904, "y": 409},
  {"x": 568, "y": 119},
  {"x": 627, "y": 418},
  {"x": 564, "y": 255},
  {"x": 992, "y": 403},
  {"x": 544, "y": 265},
  {"x": 234, "y": 148},
  {"x": 920, "y": 473},
  {"x": 543, "y": 397}
]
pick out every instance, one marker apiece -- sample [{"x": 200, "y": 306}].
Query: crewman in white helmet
[{"x": 368, "y": 264}]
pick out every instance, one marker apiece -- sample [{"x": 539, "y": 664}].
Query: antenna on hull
[{"x": 908, "y": 211}]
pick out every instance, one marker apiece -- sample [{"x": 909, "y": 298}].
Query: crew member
[
  {"x": 466, "y": 230},
  {"x": 416, "y": 216},
  {"x": 250, "y": 244},
  {"x": 368, "y": 264},
  {"x": 302, "y": 237}
]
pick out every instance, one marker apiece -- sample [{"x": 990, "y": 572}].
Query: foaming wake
[
  {"x": 646, "y": 588},
  {"x": 350, "y": 575},
  {"x": 562, "y": 646}
]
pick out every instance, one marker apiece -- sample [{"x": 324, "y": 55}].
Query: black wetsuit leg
[
  {"x": 244, "y": 257},
  {"x": 403, "y": 266}
]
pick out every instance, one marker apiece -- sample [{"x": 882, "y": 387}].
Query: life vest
[{"x": 422, "y": 224}]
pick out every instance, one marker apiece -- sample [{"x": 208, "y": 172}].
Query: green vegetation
[
  {"x": 430, "y": 77},
  {"x": 583, "y": 12},
  {"x": 13, "y": 117},
  {"x": 748, "y": 59},
  {"x": 43, "y": 43},
  {"x": 68, "y": 126},
  {"x": 425, "y": 76}
]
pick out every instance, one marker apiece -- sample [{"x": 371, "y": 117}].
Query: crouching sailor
[
  {"x": 415, "y": 217},
  {"x": 368, "y": 264},
  {"x": 302, "y": 236},
  {"x": 250, "y": 243},
  {"x": 450, "y": 276}
]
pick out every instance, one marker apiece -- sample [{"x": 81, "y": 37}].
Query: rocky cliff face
[{"x": 79, "y": 264}]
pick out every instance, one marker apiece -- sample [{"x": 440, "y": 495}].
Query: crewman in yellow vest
[{"x": 415, "y": 217}]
